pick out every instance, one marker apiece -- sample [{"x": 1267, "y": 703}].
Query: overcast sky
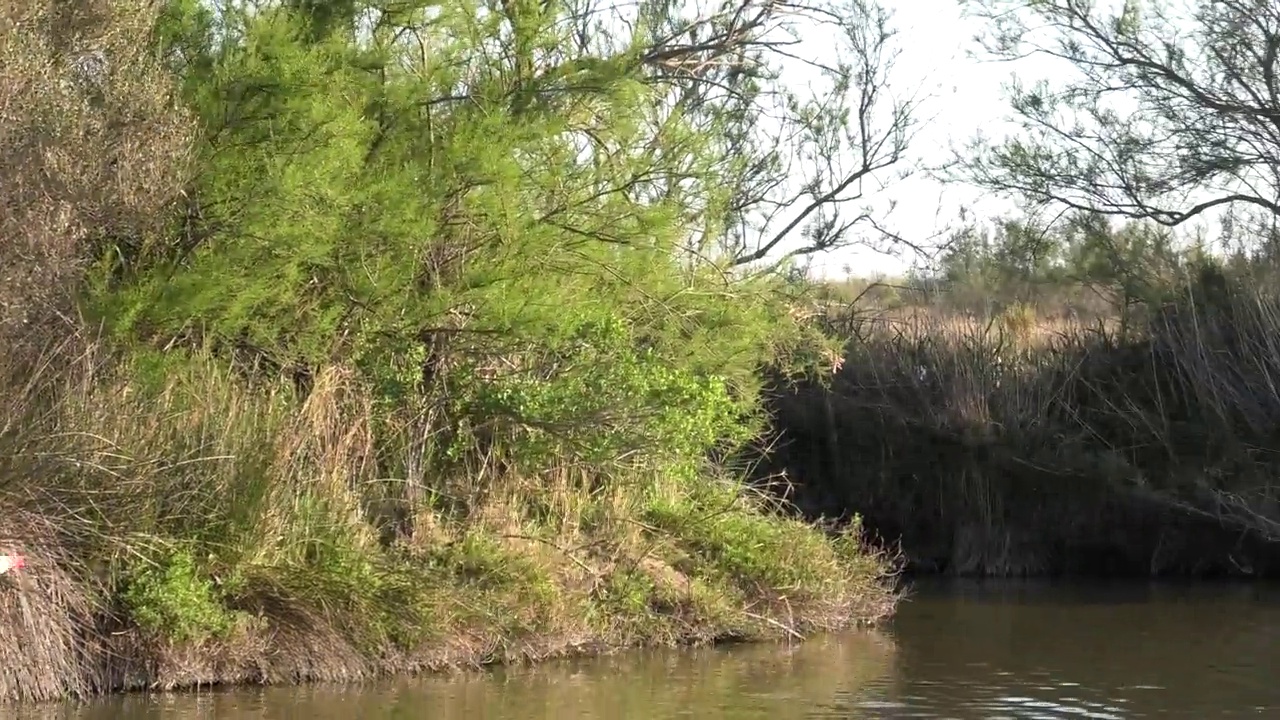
[{"x": 966, "y": 96}]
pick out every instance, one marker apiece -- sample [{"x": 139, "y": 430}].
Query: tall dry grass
[
  {"x": 107, "y": 481},
  {"x": 95, "y": 149},
  {"x": 1007, "y": 447},
  {"x": 188, "y": 526}
]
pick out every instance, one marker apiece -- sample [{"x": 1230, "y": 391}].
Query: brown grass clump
[
  {"x": 48, "y": 638},
  {"x": 93, "y": 145},
  {"x": 297, "y": 645}
]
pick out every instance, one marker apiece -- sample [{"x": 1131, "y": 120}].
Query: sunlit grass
[{"x": 216, "y": 529}]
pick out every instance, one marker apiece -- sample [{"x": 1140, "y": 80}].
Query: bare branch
[{"x": 1169, "y": 116}]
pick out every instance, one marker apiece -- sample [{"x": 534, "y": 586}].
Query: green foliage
[
  {"x": 482, "y": 559},
  {"x": 609, "y": 399},
  {"x": 471, "y": 256},
  {"x": 408, "y": 280},
  {"x": 174, "y": 599},
  {"x": 728, "y": 536}
]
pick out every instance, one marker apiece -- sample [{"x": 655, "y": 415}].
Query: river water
[{"x": 956, "y": 650}]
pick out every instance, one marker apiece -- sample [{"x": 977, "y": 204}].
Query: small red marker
[{"x": 11, "y": 562}]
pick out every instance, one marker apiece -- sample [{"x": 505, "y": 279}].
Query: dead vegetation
[
  {"x": 88, "y": 116},
  {"x": 1000, "y": 447},
  {"x": 47, "y": 615}
]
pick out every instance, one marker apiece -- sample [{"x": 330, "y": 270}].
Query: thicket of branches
[
  {"x": 1004, "y": 444},
  {"x": 1080, "y": 388}
]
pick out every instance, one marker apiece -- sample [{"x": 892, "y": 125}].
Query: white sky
[{"x": 965, "y": 96}]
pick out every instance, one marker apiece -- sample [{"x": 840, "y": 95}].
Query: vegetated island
[
  {"x": 347, "y": 338},
  {"x": 343, "y": 339}
]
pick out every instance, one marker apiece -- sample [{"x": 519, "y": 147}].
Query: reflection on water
[
  {"x": 1006, "y": 650},
  {"x": 775, "y": 682},
  {"x": 993, "y": 650}
]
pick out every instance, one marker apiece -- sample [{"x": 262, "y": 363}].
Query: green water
[{"x": 1007, "y": 650}]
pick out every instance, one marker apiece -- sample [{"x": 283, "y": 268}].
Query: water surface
[{"x": 959, "y": 650}]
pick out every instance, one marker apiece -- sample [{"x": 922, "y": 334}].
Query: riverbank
[
  {"x": 1002, "y": 448},
  {"x": 957, "y": 649},
  {"x": 326, "y": 357},
  {"x": 209, "y": 529}
]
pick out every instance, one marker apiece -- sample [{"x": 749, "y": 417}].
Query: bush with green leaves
[
  {"x": 173, "y": 598},
  {"x": 521, "y": 270},
  {"x": 433, "y": 306}
]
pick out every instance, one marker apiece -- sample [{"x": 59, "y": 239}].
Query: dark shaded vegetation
[{"x": 1135, "y": 442}]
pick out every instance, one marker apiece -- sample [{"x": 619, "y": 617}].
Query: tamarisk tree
[
  {"x": 1169, "y": 111},
  {"x": 524, "y": 225},
  {"x": 791, "y": 168}
]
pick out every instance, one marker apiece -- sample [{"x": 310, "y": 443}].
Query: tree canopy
[
  {"x": 533, "y": 219},
  {"x": 1165, "y": 111}
]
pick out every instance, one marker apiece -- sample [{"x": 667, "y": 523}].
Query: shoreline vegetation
[
  {"x": 213, "y": 531},
  {"x": 326, "y": 355},
  {"x": 1055, "y": 427}
]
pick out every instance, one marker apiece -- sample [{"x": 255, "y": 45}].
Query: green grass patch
[{"x": 242, "y": 532}]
